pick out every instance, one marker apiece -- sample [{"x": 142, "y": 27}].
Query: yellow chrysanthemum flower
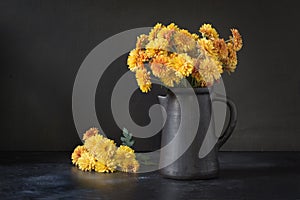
[
  {"x": 184, "y": 41},
  {"x": 153, "y": 53},
  {"x": 207, "y": 46},
  {"x": 78, "y": 151},
  {"x": 101, "y": 167},
  {"x": 99, "y": 144},
  {"x": 173, "y": 27},
  {"x": 133, "y": 60},
  {"x": 86, "y": 162},
  {"x": 102, "y": 148},
  {"x": 93, "y": 143},
  {"x": 165, "y": 33},
  {"x": 158, "y": 44},
  {"x": 102, "y": 155},
  {"x": 195, "y": 36},
  {"x": 131, "y": 166},
  {"x": 125, "y": 158},
  {"x": 143, "y": 80},
  {"x": 141, "y": 42},
  {"x": 208, "y": 31},
  {"x": 175, "y": 53},
  {"x": 136, "y": 59},
  {"x": 182, "y": 64},
  {"x": 171, "y": 77},
  {"x": 125, "y": 149},
  {"x": 209, "y": 70},
  {"x": 154, "y": 31}
]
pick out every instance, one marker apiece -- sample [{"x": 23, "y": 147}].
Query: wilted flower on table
[
  {"x": 101, "y": 167},
  {"x": 125, "y": 159},
  {"x": 86, "y": 162},
  {"x": 90, "y": 132},
  {"x": 103, "y": 149},
  {"x": 102, "y": 155}
]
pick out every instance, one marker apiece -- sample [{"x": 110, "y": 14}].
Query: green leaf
[
  {"x": 125, "y": 131},
  {"x": 127, "y": 138}
]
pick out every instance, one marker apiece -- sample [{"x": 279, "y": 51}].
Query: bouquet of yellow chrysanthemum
[
  {"x": 102, "y": 155},
  {"x": 174, "y": 56}
]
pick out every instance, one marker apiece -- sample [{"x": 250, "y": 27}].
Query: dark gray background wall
[{"x": 43, "y": 43}]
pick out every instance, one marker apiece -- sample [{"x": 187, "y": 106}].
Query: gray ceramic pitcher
[{"x": 189, "y": 165}]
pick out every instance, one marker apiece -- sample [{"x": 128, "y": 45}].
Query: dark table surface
[{"x": 243, "y": 175}]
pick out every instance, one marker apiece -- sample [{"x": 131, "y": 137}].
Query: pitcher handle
[{"x": 232, "y": 120}]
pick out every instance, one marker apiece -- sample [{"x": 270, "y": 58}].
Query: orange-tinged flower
[
  {"x": 158, "y": 65},
  {"x": 199, "y": 81},
  {"x": 237, "y": 39},
  {"x": 231, "y": 61},
  {"x": 136, "y": 59},
  {"x": 221, "y": 48},
  {"x": 90, "y": 132},
  {"x": 78, "y": 151}
]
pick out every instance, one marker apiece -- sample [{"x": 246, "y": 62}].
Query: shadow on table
[{"x": 106, "y": 184}]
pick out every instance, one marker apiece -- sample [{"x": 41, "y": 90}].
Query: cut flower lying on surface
[
  {"x": 174, "y": 56},
  {"x": 102, "y": 155}
]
